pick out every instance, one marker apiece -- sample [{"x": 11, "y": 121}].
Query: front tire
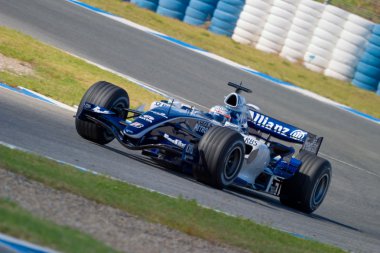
[
  {"x": 307, "y": 189},
  {"x": 106, "y": 95},
  {"x": 221, "y": 153}
]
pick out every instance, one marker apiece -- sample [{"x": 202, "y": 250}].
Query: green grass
[
  {"x": 342, "y": 92},
  {"x": 58, "y": 74},
  {"x": 369, "y": 9},
  {"x": 18, "y": 223},
  {"x": 177, "y": 213}
]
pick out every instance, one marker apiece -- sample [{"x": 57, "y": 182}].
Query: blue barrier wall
[
  {"x": 225, "y": 16},
  {"x": 147, "y": 4},
  {"x": 199, "y": 11},
  {"x": 367, "y": 75},
  {"x": 172, "y": 8}
]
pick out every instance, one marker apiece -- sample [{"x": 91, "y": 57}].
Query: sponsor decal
[
  {"x": 277, "y": 127},
  {"x": 87, "y": 106},
  {"x": 136, "y": 125},
  {"x": 97, "y": 109},
  {"x": 161, "y": 104},
  {"x": 219, "y": 109},
  {"x": 202, "y": 127},
  {"x": 147, "y": 118},
  {"x": 298, "y": 134},
  {"x": 312, "y": 143},
  {"x": 250, "y": 141},
  {"x": 264, "y": 121},
  {"x": 187, "y": 108},
  {"x": 177, "y": 142},
  {"x": 160, "y": 114},
  {"x": 127, "y": 131}
]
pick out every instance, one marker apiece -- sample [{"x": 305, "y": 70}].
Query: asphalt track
[{"x": 348, "y": 218}]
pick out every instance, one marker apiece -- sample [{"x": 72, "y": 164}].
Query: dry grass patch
[
  {"x": 15, "y": 66},
  {"x": 29, "y": 63}
]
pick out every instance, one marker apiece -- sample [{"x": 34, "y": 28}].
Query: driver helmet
[{"x": 220, "y": 114}]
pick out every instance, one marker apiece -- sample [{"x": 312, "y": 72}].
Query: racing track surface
[{"x": 349, "y": 217}]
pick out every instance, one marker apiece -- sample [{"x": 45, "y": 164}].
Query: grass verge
[
  {"x": 177, "y": 213},
  {"x": 369, "y": 9},
  {"x": 274, "y": 65},
  {"x": 19, "y": 223},
  {"x": 57, "y": 74}
]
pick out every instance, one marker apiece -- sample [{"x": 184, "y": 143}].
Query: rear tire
[
  {"x": 221, "y": 153},
  {"x": 106, "y": 95},
  {"x": 307, "y": 189}
]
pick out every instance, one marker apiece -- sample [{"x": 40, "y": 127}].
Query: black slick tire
[
  {"x": 106, "y": 95},
  {"x": 307, "y": 189},
  {"x": 221, "y": 153}
]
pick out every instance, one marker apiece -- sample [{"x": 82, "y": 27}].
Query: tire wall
[
  {"x": 327, "y": 39},
  {"x": 324, "y": 39},
  {"x": 172, "y": 8},
  {"x": 251, "y": 21},
  {"x": 367, "y": 74},
  {"x": 199, "y": 11},
  {"x": 225, "y": 16},
  {"x": 300, "y": 32},
  {"x": 349, "y": 48},
  {"x": 147, "y": 4},
  {"x": 277, "y": 25}
]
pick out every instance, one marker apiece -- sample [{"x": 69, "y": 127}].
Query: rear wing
[
  {"x": 312, "y": 143},
  {"x": 283, "y": 131}
]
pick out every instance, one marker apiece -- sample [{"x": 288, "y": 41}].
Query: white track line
[
  {"x": 62, "y": 105},
  {"x": 350, "y": 165},
  {"x": 14, "y": 244}
]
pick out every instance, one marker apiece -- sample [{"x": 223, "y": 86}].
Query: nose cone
[{"x": 146, "y": 121}]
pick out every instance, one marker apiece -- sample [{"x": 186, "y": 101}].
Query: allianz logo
[
  {"x": 147, "y": 118},
  {"x": 263, "y": 121},
  {"x": 177, "y": 142},
  {"x": 298, "y": 134}
]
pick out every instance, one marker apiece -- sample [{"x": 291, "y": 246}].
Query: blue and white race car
[{"x": 231, "y": 144}]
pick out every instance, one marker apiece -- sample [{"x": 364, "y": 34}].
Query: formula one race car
[{"x": 229, "y": 145}]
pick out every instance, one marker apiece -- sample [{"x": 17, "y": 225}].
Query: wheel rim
[
  {"x": 232, "y": 163},
  {"x": 118, "y": 107},
  {"x": 320, "y": 189}
]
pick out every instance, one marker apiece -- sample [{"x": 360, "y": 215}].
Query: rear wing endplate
[{"x": 312, "y": 143}]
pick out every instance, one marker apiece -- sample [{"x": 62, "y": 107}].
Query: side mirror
[{"x": 254, "y": 107}]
